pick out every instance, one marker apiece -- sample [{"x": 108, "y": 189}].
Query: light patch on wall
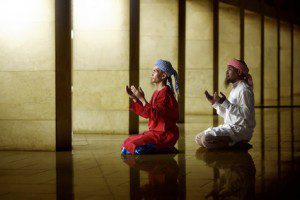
[
  {"x": 21, "y": 13},
  {"x": 27, "y": 74},
  {"x": 100, "y": 14}
]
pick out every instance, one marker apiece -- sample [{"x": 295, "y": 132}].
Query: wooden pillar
[
  {"x": 63, "y": 71},
  {"x": 134, "y": 58},
  {"x": 215, "y": 47},
  {"x": 262, "y": 99},
  {"x": 242, "y": 29},
  {"x": 278, "y": 59},
  {"x": 181, "y": 58}
]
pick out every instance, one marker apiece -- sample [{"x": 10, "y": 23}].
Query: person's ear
[
  {"x": 239, "y": 72},
  {"x": 164, "y": 75}
]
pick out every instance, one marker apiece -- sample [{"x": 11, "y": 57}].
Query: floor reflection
[
  {"x": 64, "y": 175},
  {"x": 162, "y": 172},
  {"x": 233, "y": 173},
  {"x": 94, "y": 169}
]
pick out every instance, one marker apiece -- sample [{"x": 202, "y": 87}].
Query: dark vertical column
[
  {"x": 292, "y": 139},
  {"x": 182, "y": 163},
  {"x": 134, "y": 79},
  {"x": 242, "y": 29},
  {"x": 63, "y": 71},
  {"x": 292, "y": 86},
  {"x": 181, "y": 58},
  {"x": 215, "y": 47},
  {"x": 292, "y": 64},
  {"x": 292, "y": 52},
  {"x": 262, "y": 56},
  {"x": 279, "y": 143},
  {"x": 216, "y": 177},
  {"x": 134, "y": 183},
  {"x": 134, "y": 57},
  {"x": 64, "y": 175},
  {"x": 262, "y": 130},
  {"x": 278, "y": 60}
]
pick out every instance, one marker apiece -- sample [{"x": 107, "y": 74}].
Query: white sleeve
[
  {"x": 243, "y": 106},
  {"x": 220, "y": 110}
]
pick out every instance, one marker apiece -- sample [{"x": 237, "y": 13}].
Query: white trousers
[{"x": 222, "y": 136}]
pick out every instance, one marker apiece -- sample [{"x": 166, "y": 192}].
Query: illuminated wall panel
[
  {"x": 158, "y": 38},
  {"x": 199, "y": 56},
  {"x": 271, "y": 66},
  {"x": 100, "y": 66},
  {"x": 27, "y": 75},
  {"x": 296, "y": 72},
  {"x": 253, "y": 50},
  {"x": 285, "y": 63},
  {"x": 229, "y": 40}
]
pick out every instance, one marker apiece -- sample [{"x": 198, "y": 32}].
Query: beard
[{"x": 227, "y": 82}]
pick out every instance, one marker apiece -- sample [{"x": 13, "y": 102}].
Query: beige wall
[
  {"x": 27, "y": 75},
  {"x": 101, "y": 62},
  {"x": 229, "y": 40},
  {"x": 285, "y": 63},
  {"x": 270, "y": 65},
  {"x": 100, "y": 66},
  {"x": 252, "y": 50},
  {"x": 158, "y": 38},
  {"x": 199, "y": 56},
  {"x": 296, "y": 72}
]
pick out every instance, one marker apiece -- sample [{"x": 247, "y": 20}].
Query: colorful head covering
[
  {"x": 243, "y": 67},
  {"x": 166, "y": 67}
]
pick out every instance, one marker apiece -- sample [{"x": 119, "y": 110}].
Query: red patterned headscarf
[{"x": 243, "y": 67}]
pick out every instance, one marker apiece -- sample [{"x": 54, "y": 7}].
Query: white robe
[{"x": 238, "y": 113}]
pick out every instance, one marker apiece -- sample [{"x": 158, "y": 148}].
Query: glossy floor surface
[{"x": 96, "y": 170}]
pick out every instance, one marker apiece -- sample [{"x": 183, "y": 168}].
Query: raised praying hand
[
  {"x": 139, "y": 93},
  {"x": 135, "y": 94},
  {"x": 215, "y": 97},
  {"x": 219, "y": 99},
  {"x": 130, "y": 93},
  {"x": 209, "y": 97}
]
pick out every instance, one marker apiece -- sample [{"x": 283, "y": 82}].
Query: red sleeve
[
  {"x": 137, "y": 108},
  {"x": 159, "y": 109}
]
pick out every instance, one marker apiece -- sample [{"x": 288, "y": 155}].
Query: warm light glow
[
  {"x": 97, "y": 14},
  {"x": 21, "y": 13}
]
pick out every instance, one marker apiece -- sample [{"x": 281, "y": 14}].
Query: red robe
[{"x": 162, "y": 112}]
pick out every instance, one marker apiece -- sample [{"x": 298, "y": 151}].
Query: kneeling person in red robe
[{"x": 162, "y": 112}]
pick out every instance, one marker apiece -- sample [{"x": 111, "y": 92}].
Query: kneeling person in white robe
[{"x": 237, "y": 111}]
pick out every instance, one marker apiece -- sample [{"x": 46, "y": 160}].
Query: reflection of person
[
  {"x": 234, "y": 173},
  {"x": 163, "y": 172},
  {"x": 162, "y": 112},
  {"x": 237, "y": 111}
]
